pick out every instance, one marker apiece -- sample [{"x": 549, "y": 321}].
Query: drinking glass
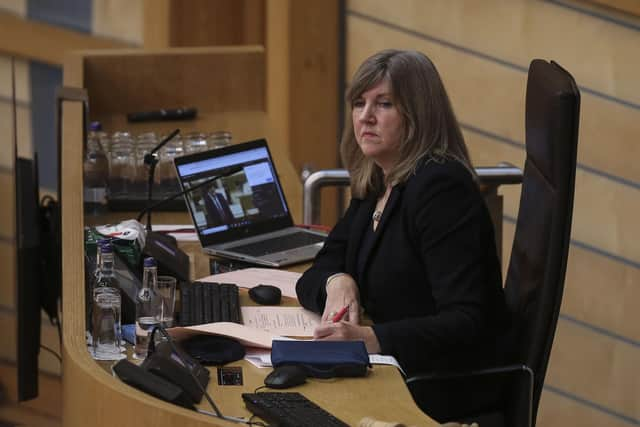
[
  {"x": 167, "y": 292},
  {"x": 106, "y": 330}
]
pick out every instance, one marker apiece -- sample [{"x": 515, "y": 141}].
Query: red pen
[{"x": 339, "y": 315}]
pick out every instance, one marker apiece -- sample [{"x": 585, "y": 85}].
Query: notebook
[{"x": 244, "y": 214}]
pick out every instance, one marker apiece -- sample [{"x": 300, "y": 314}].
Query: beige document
[
  {"x": 250, "y": 277},
  {"x": 287, "y": 321},
  {"x": 246, "y": 335}
]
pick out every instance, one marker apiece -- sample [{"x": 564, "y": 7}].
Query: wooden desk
[{"x": 91, "y": 393}]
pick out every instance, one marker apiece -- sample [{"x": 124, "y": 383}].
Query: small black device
[
  {"x": 289, "y": 409},
  {"x": 180, "y": 369},
  {"x": 230, "y": 375},
  {"x": 286, "y": 376},
  {"x": 266, "y": 294},
  {"x": 171, "y": 259},
  {"x": 163, "y": 115},
  {"x": 154, "y": 385}
]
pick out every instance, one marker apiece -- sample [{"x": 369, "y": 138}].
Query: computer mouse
[
  {"x": 286, "y": 376},
  {"x": 265, "y": 294}
]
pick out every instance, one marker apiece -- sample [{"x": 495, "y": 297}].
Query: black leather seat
[{"x": 509, "y": 395}]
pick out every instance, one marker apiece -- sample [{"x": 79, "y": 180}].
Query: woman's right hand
[{"x": 342, "y": 291}]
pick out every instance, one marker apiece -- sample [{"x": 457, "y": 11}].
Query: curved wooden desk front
[{"x": 92, "y": 396}]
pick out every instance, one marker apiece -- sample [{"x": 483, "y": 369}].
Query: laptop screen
[{"x": 244, "y": 203}]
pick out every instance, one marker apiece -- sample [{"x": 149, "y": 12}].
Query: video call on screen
[{"x": 246, "y": 197}]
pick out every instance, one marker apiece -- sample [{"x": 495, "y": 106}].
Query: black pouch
[{"x": 323, "y": 359}]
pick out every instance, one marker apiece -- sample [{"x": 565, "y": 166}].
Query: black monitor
[
  {"x": 28, "y": 276},
  {"x": 37, "y": 264}
]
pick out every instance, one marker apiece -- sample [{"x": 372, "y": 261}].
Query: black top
[{"x": 431, "y": 280}]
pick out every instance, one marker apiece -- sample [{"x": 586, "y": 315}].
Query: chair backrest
[{"x": 535, "y": 277}]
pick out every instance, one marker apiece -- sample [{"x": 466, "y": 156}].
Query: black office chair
[{"x": 509, "y": 395}]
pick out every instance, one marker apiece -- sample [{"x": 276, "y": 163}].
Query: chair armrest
[{"x": 475, "y": 389}]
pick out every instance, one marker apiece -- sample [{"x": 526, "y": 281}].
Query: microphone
[
  {"x": 231, "y": 171},
  {"x": 177, "y": 352},
  {"x": 151, "y": 159}
]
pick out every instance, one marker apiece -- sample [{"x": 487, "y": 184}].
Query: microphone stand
[
  {"x": 149, "y": 208},
  {"x": 151, "y": 159}
]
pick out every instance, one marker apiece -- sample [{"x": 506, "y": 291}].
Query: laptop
[{"x": 243, "y": 215}]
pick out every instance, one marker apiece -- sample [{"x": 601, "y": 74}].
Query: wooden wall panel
[
  {"x": 7, "y": 275},
  {"x": 109, "y": 21},
  {"x": 629, "y": 6},
  {"x": 561, "y": 410},
  {"x": 482, "y": 51},
  {"x": 239, "y": 84},
  {"x": 45, "y": 43},
  {"x": 23, "y": 118},
  {"x": 596, "y": 367},
  {"x": 47, "y": 363},
  {"x": 22, "y": 80},
  {"x": 597, "y": 51},
  {"x": 490, "y": 96},
  {"x": 216, "y": 22}
]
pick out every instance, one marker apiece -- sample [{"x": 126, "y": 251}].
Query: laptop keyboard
[
  {"x": 278, "y": 244},
  {"x": 289, "y": 409}
]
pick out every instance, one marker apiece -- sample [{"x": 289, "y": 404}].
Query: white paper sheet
[{"x": 289, "y": 321}]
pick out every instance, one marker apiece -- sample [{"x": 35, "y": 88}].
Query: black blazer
[
  {"x": 431, "y": 280},
  {"x": 217, "y": 209}
]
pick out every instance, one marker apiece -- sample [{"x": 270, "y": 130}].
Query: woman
[{"x": 416, "y": 248}]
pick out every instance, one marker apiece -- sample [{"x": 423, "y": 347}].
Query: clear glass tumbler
[{"x": 167, "y": 291}]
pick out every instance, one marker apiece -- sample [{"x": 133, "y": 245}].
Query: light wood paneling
[
  {"x": 313, "y": 110},
  {"x": 559, "y": 410},
  {"x": 47, "y": 363},
  {"x": 604, "y": 211},
  {"x": 7, "y": 275},
  {"x": 7, "y": 204},
  {"x": 109, "y": 21},
  {"x": 23, "y": 94},
  {"x": 491, "y": 97},
  {"x": 598, "y": 52},
  {"x": 23, "y": 119},
  {"x": 628, "y": 6},
  {"x": 47, "y": 407},
  {"x": 44, "y": 43},
  {"x": 596, "y": 367},
  {"x": 600, "y": 292},
  {"x": 18, "y": 7},
  {"x": 156, "y": 31}
]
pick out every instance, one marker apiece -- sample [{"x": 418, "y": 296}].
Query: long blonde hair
[{"x": 431, "y": 130}]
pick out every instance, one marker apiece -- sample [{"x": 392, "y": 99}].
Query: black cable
[
  {"x": 259, "y": 388},
  {"x": 255, "y": 423},
  {"x": 57, "y": 356}
]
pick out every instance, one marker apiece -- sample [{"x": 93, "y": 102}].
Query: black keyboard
[
  {"x": 278, "y": 244},
  {"x": 289, "y": 409},
  {"x": 202, "y": 302}
]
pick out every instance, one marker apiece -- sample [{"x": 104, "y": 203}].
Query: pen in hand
[{"x": 339, "y": 315}]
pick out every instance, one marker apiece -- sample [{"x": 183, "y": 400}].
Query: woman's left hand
[{"x": 345, "y": 331}]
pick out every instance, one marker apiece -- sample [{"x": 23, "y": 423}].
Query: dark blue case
[{"x": 323, "y": 359}]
